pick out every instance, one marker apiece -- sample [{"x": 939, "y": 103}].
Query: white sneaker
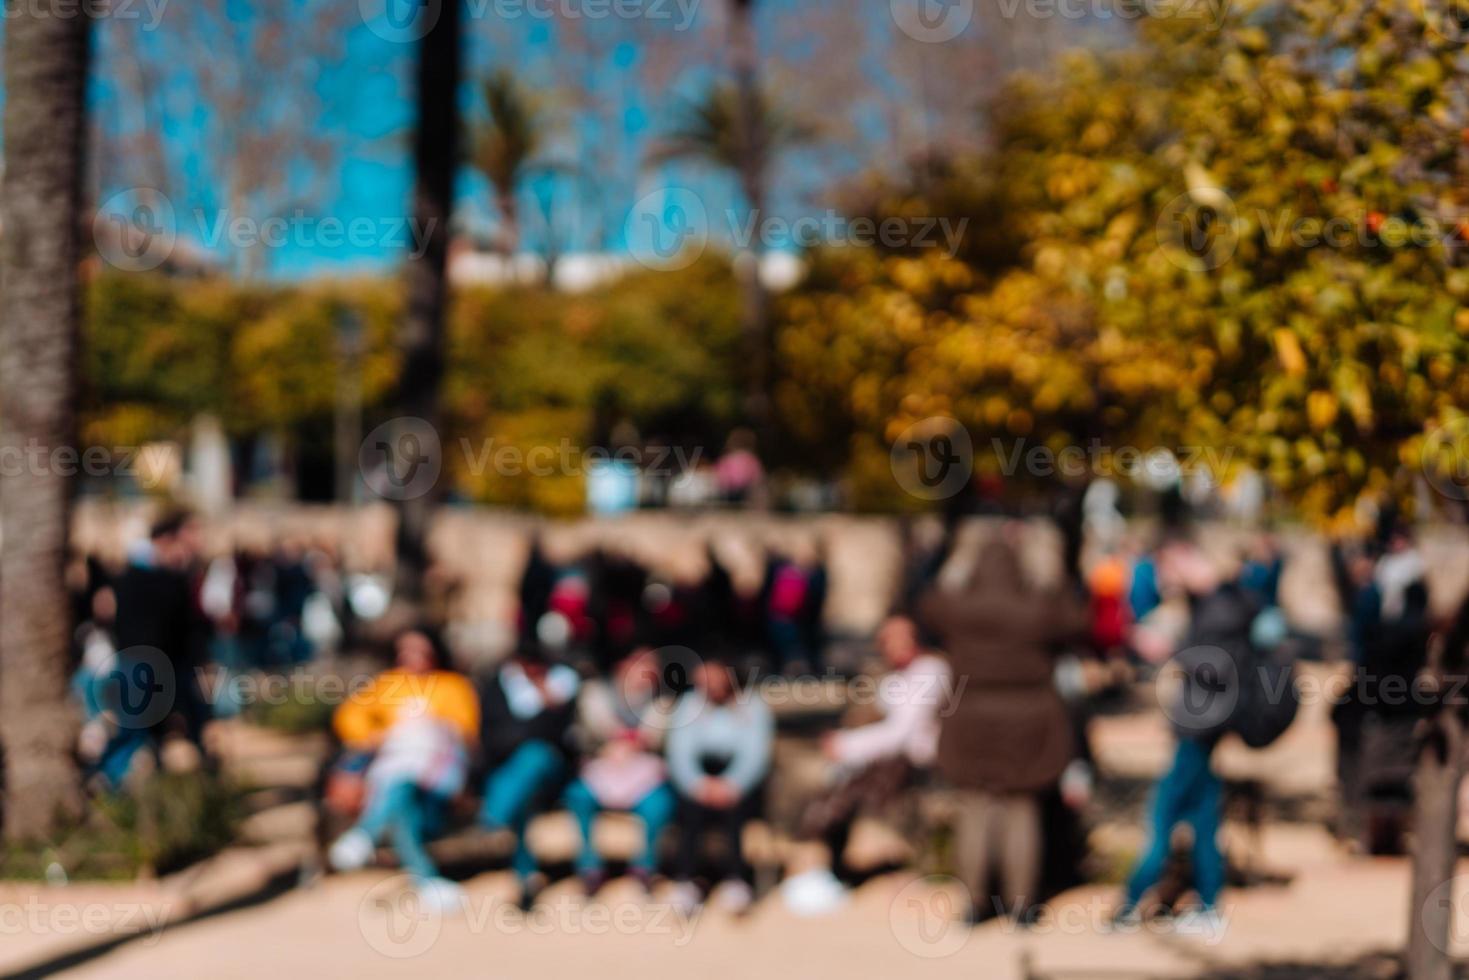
[
  {"x": 814, "y": 893},
  {"x": 1202, "y": 924},
  {"x": 685, "y": 897},
  {"x": 351, "y": 852},
  {"x": 736, "y": 897},
  {"x": 440, "y": 896}
]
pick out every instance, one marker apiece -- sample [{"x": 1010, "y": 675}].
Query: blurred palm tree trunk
[
  {"x": 435, "y": 154},
  {"x": 1437, "y": 776},
  {"x": 46, "y": 60},
  {"x": 752, "y": 166},
  {"x": 1436, "y": 780}
]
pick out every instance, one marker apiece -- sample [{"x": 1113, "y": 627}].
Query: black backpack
[
  {"x": 1230, "y": 683},
  {"x": 1269, "y": 698}
]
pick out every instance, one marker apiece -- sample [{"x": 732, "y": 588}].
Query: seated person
[
  {"x": 876, "y": 762},
  {"x": 419, "y": 721},
  {"x": 718, "y": 758},
  {"x": 621, "y": 725},
  {"x": 527, "y": 707}
]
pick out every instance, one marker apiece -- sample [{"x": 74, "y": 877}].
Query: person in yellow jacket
[{"x": 420, "y": 722}]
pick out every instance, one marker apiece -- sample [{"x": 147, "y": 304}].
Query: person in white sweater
[
  {"x": 876, "y": 762},
  {"x": 719, "y": 751}
]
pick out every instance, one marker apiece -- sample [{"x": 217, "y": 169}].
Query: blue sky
[{"x": 339, "y": 94}]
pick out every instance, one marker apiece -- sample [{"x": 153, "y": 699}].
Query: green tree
[
  {"x": 1248, "y": 238},
  {"x": 735, "y": 128},
  {"x": 506, "y": 149}
]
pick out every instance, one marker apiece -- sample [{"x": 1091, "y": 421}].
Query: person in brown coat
[{"x": 1007, "y": 737}]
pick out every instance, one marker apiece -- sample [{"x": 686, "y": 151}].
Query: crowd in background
[
  {"x": 629, "y": 691},
  {"x": 596, "y": 609},
  {"x": 168, "y": 612}
]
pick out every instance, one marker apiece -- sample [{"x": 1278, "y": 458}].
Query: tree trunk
[
  {"x": 753, "y": 165},
  {"x": 1436, "y": 780},
  {"x": 435, "y": 153},
  {"x": 509, "y": 209},
  {"x": 46, "y": 60}
]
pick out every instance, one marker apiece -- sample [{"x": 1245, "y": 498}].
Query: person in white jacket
[{"x": 876, "y": 762}]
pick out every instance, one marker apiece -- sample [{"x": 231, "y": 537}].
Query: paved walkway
[{"x": 1334, "y": 909}]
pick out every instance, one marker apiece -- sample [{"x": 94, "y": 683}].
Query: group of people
[
  {"x": 147, "y": 628},
  {"x": 604, "y": 706},
  {"x": 985, "y": 694},
  {"x": 596, "y": 608},
  {"x": 541, "y": 735}
]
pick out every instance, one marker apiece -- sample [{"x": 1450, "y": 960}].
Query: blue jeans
[
  {"x": 412, "y": 815},
  {"x": 1189, "y": 793},
  {"x": 531, "y": 770},
  {"x": 655, "y": 810}
]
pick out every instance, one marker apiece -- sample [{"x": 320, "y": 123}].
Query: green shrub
[{"x": 167, "y": 822}]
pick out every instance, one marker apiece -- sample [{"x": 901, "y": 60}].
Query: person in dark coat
[
  {"x": 527, "y": 707},
  {"x": 1008, "y": 737},
  {"x": 159, "y": 631},
  {"x": 536, "y": 583}
]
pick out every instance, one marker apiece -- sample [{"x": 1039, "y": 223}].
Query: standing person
[
  {"x": 718, "y": 760},
  {"x": 419, "y": 719},
  {"x": 1386, "y": 685},
  {"x": 622, "y": 725},
  {"x": 1107, "y": 594},
  {"x": 793, "y": 598},
  {"x": 880, "y": 760},
  {"x": 157, "y": 617},
  {"x": 740, "y": 475},
  {"x": 1262, "y": 569},
  {"x": 1211, "y": 658},
  {"x": 1008, "y": 738},
  {"x": 527, "y": 707}
]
